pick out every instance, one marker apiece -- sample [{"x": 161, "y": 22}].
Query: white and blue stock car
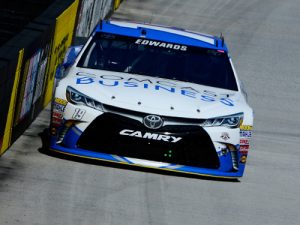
[{"x": 153, "y": 96}]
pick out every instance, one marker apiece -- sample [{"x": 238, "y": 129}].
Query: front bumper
[
  {"x": 147, "y": 163},
  {"x": 221, "y": 155}
]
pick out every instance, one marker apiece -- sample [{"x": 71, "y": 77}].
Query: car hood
[{"x": 153, "y": 95}]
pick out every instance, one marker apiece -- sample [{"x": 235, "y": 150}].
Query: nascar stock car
[{"x": 152, "y": 96}]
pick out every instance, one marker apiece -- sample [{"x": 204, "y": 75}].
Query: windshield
[{"x": 159, "y": 59}]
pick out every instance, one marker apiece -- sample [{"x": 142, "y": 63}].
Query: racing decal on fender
[
  {"x": 246, "y": 127},
  {"x": 61, "y": 101},
  {"x": 244, "y": 142},
  {"x": 244, "y": 149},
  {"x": 57, "y": 115},
  {"x": 59, "y": 106},
  {"x": 246, "y": 133},
  {"x": 78, "y": 114},
  {"x": 148, "y": 135}
]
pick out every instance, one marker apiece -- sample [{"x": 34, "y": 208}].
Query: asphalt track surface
[{"x": 263, "y": 36}]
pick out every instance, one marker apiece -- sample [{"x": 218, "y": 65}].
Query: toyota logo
[{"x": 153, "y": 122}]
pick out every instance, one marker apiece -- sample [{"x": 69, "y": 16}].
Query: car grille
[
  {"x": 194, "y": 149},
  {"x": 141, "y": 115}
]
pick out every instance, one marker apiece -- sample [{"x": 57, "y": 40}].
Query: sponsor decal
[
  {"x": 225, "y": 136},
  {"x": 244, "y": 147},
  {"x": 56, "y": 121},
  {"x": 57, "y": 115},
  {"x": 246, "y": 127},
  {"x": 59, "y": 106},
  {"x": 78, "y": 114},
  {"x": 61, "y": 101},
  {"x": 244, "y": 142},
  {"x": 161, "y": 44},
  {"x": 246, "y": 133},
  {"x": 149, "y": 135},
  {"x": 157, "y": 86}
]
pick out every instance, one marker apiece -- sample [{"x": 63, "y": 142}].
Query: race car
[{"x": 152, "y": 96}]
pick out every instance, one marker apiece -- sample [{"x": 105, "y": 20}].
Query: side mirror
[
  {"x": 60, "y": 71},
  {"x": 69, "y": 59},
  {"x": 71, "y": 55}
]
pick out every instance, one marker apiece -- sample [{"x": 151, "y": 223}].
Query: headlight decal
[
  {"x": 78, "y": 98},
  {"x": 231, "y": 121}
]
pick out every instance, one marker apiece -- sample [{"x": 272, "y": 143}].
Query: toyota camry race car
[{"x": 152, "y": 96}]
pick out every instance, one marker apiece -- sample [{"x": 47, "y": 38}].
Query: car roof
[{"x": 161, "y": 33}]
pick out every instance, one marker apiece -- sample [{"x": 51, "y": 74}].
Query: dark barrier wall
[
  {"x": 28, "y": 62},
  {"x": 24, "y": 76},
  {"x": 36, "y": 43},
  {"x": 8, "y": 64}
]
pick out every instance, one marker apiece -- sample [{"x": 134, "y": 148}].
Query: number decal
[{"x": 78, "y": 114}]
